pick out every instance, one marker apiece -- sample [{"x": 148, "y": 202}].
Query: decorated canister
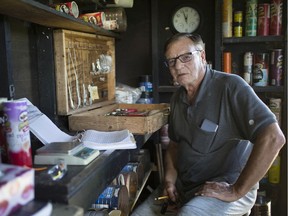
[
  {"x": 70, "y": 8},
  {"x": 263, "y": 19},
  {"x": 274, "y": 171},
  {"x": 276, "y": 67},
  {"x": 227, "y": 62},
  {"x": 227, "y": 18},
  {"x": 261, "y": 69},
  {"x": 238, "y": 24},
  {"x": 3, "y": 143},
  {"x": 135, "y": 167},
  {"x": 17, "y": 133},
  {"x": 251, "y": 18},
  {"x": 276, "y": 8},
  {"x": 130, "y": 180},
  {"x": 248, "y": 67},
  {"x": 275, "y": 107},
  {"x": 97, "y": 18},
  {"x": 114, "y": 197}
]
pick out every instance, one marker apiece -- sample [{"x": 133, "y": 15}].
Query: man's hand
[
  {"x": 171, "y": 191},
  {"x": 220, "y": 190}
]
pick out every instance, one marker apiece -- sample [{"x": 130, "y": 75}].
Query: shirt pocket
[{"x": 202, "y": 140}]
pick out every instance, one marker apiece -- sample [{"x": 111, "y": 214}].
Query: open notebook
[{"x": 47, "y": 132}]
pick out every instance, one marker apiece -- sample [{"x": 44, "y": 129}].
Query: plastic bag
[{"x": 127, "y": 94}]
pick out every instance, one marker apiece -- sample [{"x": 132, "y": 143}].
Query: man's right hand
[{"x": 171, "y": 191}]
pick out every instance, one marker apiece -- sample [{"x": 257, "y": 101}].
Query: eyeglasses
[{"x": 186, "y": 57}]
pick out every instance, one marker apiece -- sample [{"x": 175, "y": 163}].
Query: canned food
[
  {"x": 227, "y": 18},
  {"x": 263, "y": 19},
  {"x": 276, "y": 17},
  {"x": 251, "y": 18},
  {"x": 276, "y": 65},
  {"x": 238, "y": 24},
  {"x": 248, "y": 67},
  {"x": 275, "y": 107},
  {"x": 261, "y": 69},
  {"x": 227, "y": 62}
]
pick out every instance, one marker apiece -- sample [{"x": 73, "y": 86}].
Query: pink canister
[{"x": 17, "y": 133}]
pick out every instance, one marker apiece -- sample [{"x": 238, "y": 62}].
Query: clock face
[{"x": 186, "y": 19}]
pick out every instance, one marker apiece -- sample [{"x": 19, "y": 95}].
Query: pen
[{"x": 162, "y": 197}]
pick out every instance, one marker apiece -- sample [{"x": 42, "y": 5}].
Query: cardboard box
[
  {"x": 16, "y": 187},
  {"x": 76, "y": 54}
]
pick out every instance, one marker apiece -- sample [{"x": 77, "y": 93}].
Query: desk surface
[{"x": 82, "y": 185}]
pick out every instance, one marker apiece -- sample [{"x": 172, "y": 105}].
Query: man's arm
[
  {"x": 170, "y": 171},
  {"x": 266, "y": 147}
]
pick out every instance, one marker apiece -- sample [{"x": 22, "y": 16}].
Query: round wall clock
[{"x": 186, "y": 19}]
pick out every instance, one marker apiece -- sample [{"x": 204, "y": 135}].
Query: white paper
[
  {"x": 43, "y": 128},
  {"x": 102, "y": 140},
  {"x": 47, "y": 132}
]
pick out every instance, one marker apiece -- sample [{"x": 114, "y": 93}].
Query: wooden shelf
[
  {"x": 35, "y": 12},
  {"x": 146, "y": 177},
  {"x": 256, "y": 89},
  {"x": 167, "y": 88},
  {"x": 256, "y": 39}
]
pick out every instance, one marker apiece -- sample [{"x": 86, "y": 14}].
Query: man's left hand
[{"x": 219, "y": 190}]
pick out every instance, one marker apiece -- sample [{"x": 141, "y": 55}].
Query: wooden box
[
  {"x": 156, "y": 115},
  {"x": 79, "y": 60},
  {"x": 85, "y": 71}
]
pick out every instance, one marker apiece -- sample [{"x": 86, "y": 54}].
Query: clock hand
[{"x": 185, "y": 16}]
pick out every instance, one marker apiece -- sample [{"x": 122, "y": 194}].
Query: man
[{"x": 211, "y": 167}]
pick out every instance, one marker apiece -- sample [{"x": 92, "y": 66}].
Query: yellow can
[{"x": 274, "y": 171}]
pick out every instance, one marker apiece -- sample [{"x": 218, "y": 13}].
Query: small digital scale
[{"x": 73, "y": 153}]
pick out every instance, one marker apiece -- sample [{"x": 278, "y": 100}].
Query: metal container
[
  {"x": 276, "y": 9},
  {"x": 227, "y": 18},
  {"x": 263, "y": 19},
  {"x": 276, "y": 67},
  {"x": 238, "y": 24},
  {"x": 248, "y": 67},
  {"x": 261, "y": 69},
  {"x": 251, "y": 18}
]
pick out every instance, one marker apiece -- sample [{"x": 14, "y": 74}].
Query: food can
[
  {"x": 227, "y": 62},
  {"x": 263, "y": 19},
  {"x": 276, "y": 8},
  {"x": 17, "y": 133},
  {"x": 275, "y": 107},
  {"x": 248, "y": 67},
  {"x": 114, "y": 197},
  {"x": 274, "y": 171},
  {"x": 251, "y": 18},
  {"x": 3, "y": 144},
  {"x": 276, "y": 66},
  {"x": 238, "y": 22},
  {"x": 227, "y": 18},
  {"x": 262, "y": 206},
  {"x": 70, "y": 8},
  {"x": 261, "y": 69},
  {"x": 97, "y": 18}
]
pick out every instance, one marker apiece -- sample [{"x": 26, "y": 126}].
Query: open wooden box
[{"x": 85, "y": 74}]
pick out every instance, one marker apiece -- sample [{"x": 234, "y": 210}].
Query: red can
[
  {"x": 276, "y": 17},
  {"x": 276, "y": 65},
  {"x": 263, "y": 19}
]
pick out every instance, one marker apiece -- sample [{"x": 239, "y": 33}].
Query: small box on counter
[{"x": 16, "y": 187}]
